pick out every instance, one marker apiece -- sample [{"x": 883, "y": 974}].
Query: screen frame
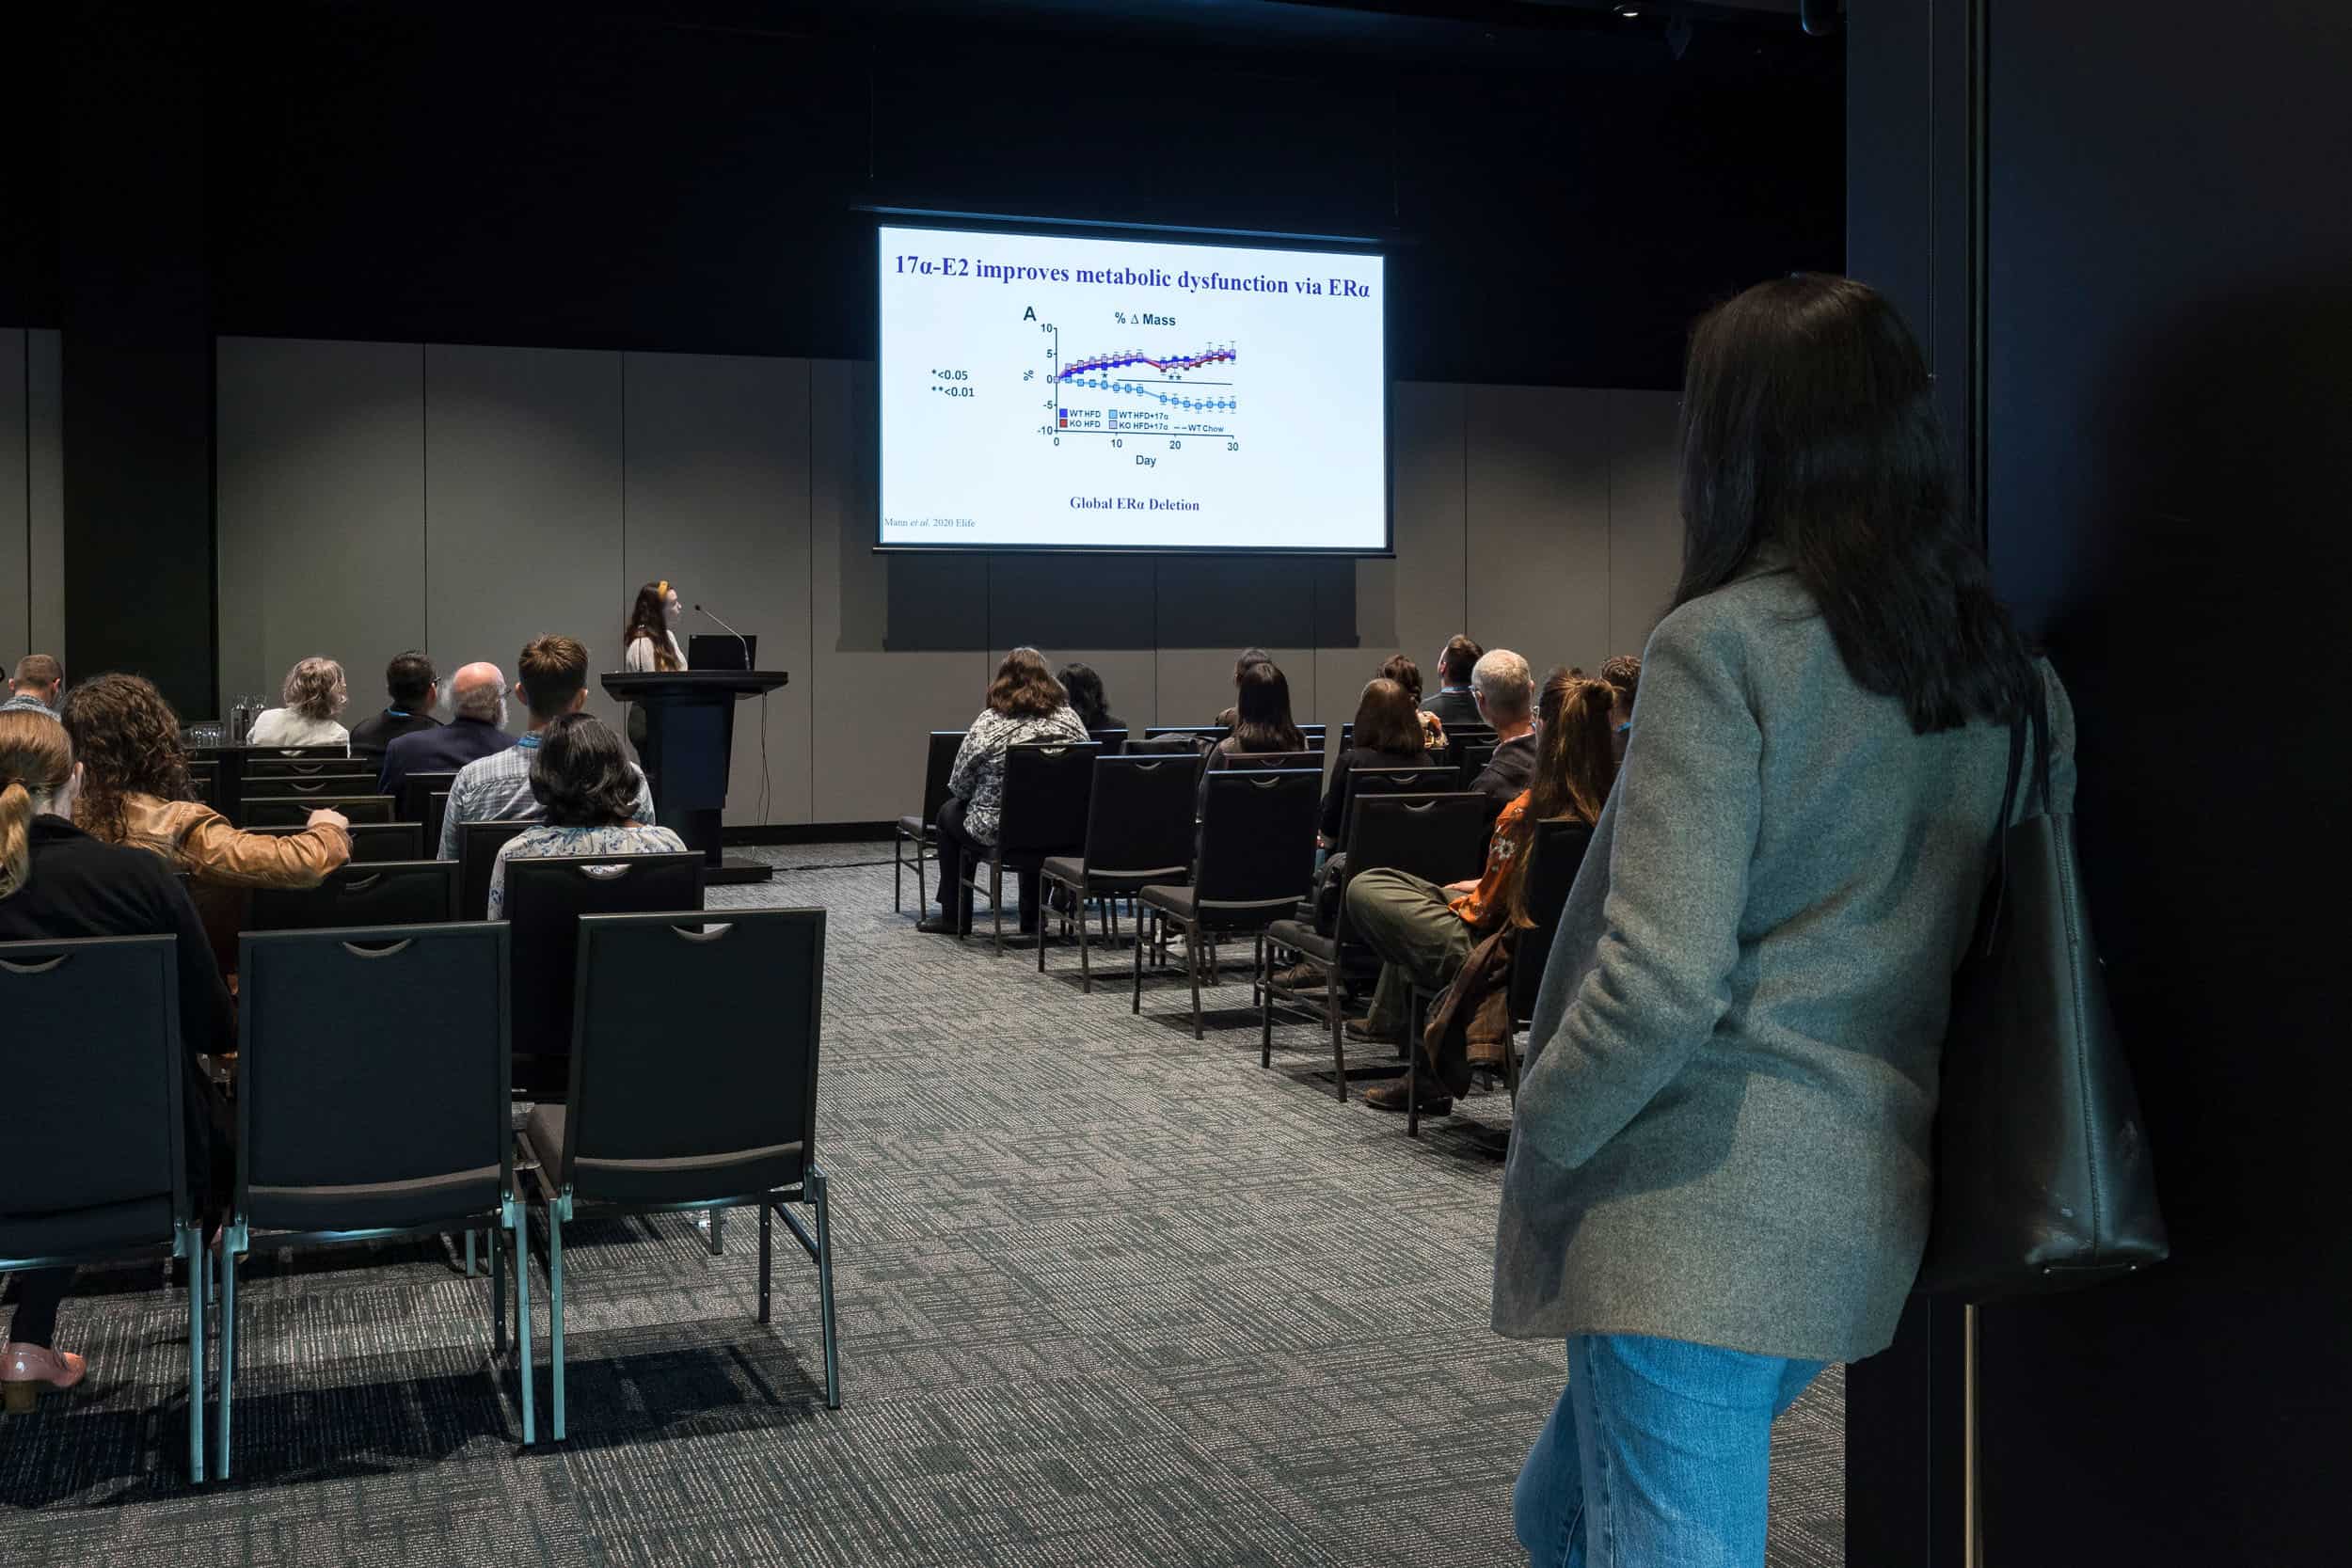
[{"x": 1194, "y": 238}]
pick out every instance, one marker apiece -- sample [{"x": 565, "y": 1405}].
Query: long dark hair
[
  {"x": 1025, "y": 686},
  {"x": 650, "y": 617},
  {"x": 1262, "y": 712},
  {"x": 128, "y": 741},
  {"x": 581, "y": 775},
  {"x": 1387, "y": 720},
  {"x": 1576, "y": 765},
  {"x": 1084, "y": 688},
  {"x": 1809, "y": 425}
]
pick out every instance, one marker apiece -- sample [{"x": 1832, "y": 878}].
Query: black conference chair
[
  {"x": 1262, "y": 762},
  {"x": 436, "y": 817},
  {"x": 357, "y": 781},
  {"x": 1557, "y": 856},
  {"x": 1182, "y": 744},
  {"x": 1475, "y": 756},
  {"x": 259, "y": 760},
  {"x": 721, "y": 1116},
  {"x": 94, "y": 1167},
  {"x": 1139, "y": 830},
  {"x": 1362, "y": 781},
  {"x": 1441, "y": 838},
  {"x": 923, "y": 832},
  {"x": 391, "y": 1121},
  {"x": 478, "y": 846},
  {"x": 1199, "y": 735},
  {"x": 1046, "y": 788},
  {"x": 372, "y": 843},
  {"x": 294, "y": 813},
  {"x": 378, "y": 893},
  {"x": 1255, "y": 862},
  {"x": 1113, "y": 741},
  {"x": 417, "y": 792},
  {"x": 204, "y": 782},
  {"x": 545, "y": 900}
]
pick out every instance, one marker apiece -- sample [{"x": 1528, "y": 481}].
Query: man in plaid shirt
[{"x": 496, "y": 789}]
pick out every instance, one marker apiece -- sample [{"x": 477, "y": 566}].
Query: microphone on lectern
[{"x": 739, "y": 635}]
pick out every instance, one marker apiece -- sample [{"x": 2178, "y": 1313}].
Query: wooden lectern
[{"x": 689, "y": 740}]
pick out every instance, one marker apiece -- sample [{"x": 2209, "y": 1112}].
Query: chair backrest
[
  {"x": 1264, "y": 762},
  {"x": 1429, "y": 780},
  {"x": 436, "y": 819},
  {"x": 478, "y": 846},
  {"x": 1559, "y": 855},
  {"x": 204, "y": 782},
  {"x": 1047, "y": 785},
  {"x": 1475, "y": 755},
  {"x": 372, "y": 1076},
  {"x": 259, "y": 759},
  {"x": 95, "y": 1157},
  {"x": 376, "y": 841},
  {"x": 1210, "y": 733},
  {"x": 1113, "y": 741},
  {"x": 294, "y": 812},
  {"x": 1183, "y": 744},
  {"x": 725, "y": 1106},
  {"x": 939, "y": 762},
  {"x": 1257, "y": 842},
  {"x": 380, "y": 893},
  {"x": 1438, "y": 838},
  {"x": 544, "y": 899},
  {"x": 416, "y": 799},
  {"x": 1140, "y": 818},
  {"x": 309, "y": 785}
]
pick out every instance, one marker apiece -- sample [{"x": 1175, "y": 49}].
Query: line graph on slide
[{"x": 1113, "y": 391}]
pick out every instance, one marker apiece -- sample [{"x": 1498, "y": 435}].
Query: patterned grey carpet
[{"x": 1107, "y": 1296}]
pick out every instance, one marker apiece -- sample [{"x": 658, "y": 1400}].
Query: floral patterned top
[
  {"x": 978, "y": 777},
  {"x": 546, "y": 840}
]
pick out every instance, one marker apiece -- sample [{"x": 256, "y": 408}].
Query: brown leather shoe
[
  {"x": 1396, "y": 1095},
  {"x": 26, "y": 1370},
  {"x": 1361, "y": 1029}
]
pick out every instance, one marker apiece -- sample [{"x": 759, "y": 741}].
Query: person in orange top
[{"x": 1422, "y": 931}]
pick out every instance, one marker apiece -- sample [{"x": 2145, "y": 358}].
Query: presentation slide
[{"x": 1091, "y": 393}]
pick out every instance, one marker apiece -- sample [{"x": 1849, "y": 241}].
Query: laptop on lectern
[{"x": 721, "y": 650}]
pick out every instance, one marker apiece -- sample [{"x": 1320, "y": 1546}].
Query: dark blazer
[
  {"x": 371, "y": 735},
  {"x": 1452, "y": 707},
  {"x": 1724, "y": 1129},
  {"x": 80, "y": 887},
  {"x": 1335, "y": 795},
  {"x": 1507, "y": 775},
  {"x": 443, "y": 749}
]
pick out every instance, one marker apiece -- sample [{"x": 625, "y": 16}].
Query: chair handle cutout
[
  {"x": 385, "y": 951},
  {"x": 605, "y": 873},
  {"x": 708, "y": 933},
  {"x": 41, "y": 968},
  {"x": 360, "y": 884}
]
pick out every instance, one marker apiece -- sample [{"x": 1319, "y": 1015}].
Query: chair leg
[
  {"x": 1136, "y": 1005},
  {"x": 820, "y": 1190},
  {"x": 1045, "y": 898},
  {"x": 897, "y": 869},
  {"x": 1192, "y": 965},
  {"x": 469, "y": 1264},
  {"x": 199, "y": 1285},
  {"x": 1266, "y": 1005},
  {"x": 526, "y": 1372},
  {"x": 228, "y": 1267},
  {"x": 1339, "y": 1041},
  {"x": 1086, "y": 950},
  {"x": 767, "y": 1225},
  {"x": 922, "y": 899},
  {"x": 497, "y": 1296},
  {"x": 718, "y": 1222},
  {"x": 555, "y": 1312},
  {"x": 1412, "y": 1092}
]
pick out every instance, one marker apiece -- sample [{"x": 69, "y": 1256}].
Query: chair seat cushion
[
  {"x": 450, "y": 1198},
  {"x": 1180, "y": 902},
  {"x": 1176, "y": 900},
  {"x": 1305, "y": 941},
  {"x": 915, "y": 826},
  {"x": 1066, "y": 869},
  {"x": 543, "y": 1131},
  {"x": 137, "y": 1222},
  {"x": 1074, "y": 870}
]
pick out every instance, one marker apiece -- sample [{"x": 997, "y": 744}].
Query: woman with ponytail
[{"x": 57, "y": 883}]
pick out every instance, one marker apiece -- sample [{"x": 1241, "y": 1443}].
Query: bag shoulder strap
[
  {"x": 1998, "y": 891},
  {"x": 2039, "y": 713}
]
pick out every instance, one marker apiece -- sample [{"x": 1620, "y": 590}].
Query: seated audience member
[
  {"x": 1407, "y": 674},
  {"x": 1262, "y": 717},
  {"x": 57, "y": 883},
  {"x": 1087, "y": 697},
  {"x": 409, "y": 682},
  {"x": 586, "y": 790},
  {"x": 477, "y": 727},
  {"x": 1624, "y": 676},
  {"x": 1241, "y": 667},
  {"x": 39, "y": 680},
  {"x": 497, "y": 787},
  {"x": 1025, "y": 705},
  {"x": 1422, "y": 931},
  {"x": 1387, "y": 734},
  {"x": 313, "y": 695},
  {"x": 135, "y": 791},
  {"x": 1455, "y": 701},
  {"x": 1504, "y": 689}
]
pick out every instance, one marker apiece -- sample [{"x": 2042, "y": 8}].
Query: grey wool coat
[{"x": 1725, "y": 1132}]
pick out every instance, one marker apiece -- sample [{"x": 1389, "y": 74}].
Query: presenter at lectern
[{"x": 649, "y": 646}]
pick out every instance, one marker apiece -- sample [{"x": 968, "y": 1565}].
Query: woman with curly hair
[
  {"x": 583, "y": 783},
  {"x": 315, "y": 693},
  {"x": 135, "y": 791},
  {"x": 1025, "y": 705}
]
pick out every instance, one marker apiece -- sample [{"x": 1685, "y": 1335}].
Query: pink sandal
[{"x": 25, "y": 1370}]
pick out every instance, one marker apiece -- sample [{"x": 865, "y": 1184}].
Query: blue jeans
[{"x": 1658, "y": 1456}]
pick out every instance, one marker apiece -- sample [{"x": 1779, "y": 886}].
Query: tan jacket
[{"x": 200, "y": 841}]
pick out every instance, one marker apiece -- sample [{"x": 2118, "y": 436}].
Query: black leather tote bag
[{"x": 2043, "y": 1180}]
